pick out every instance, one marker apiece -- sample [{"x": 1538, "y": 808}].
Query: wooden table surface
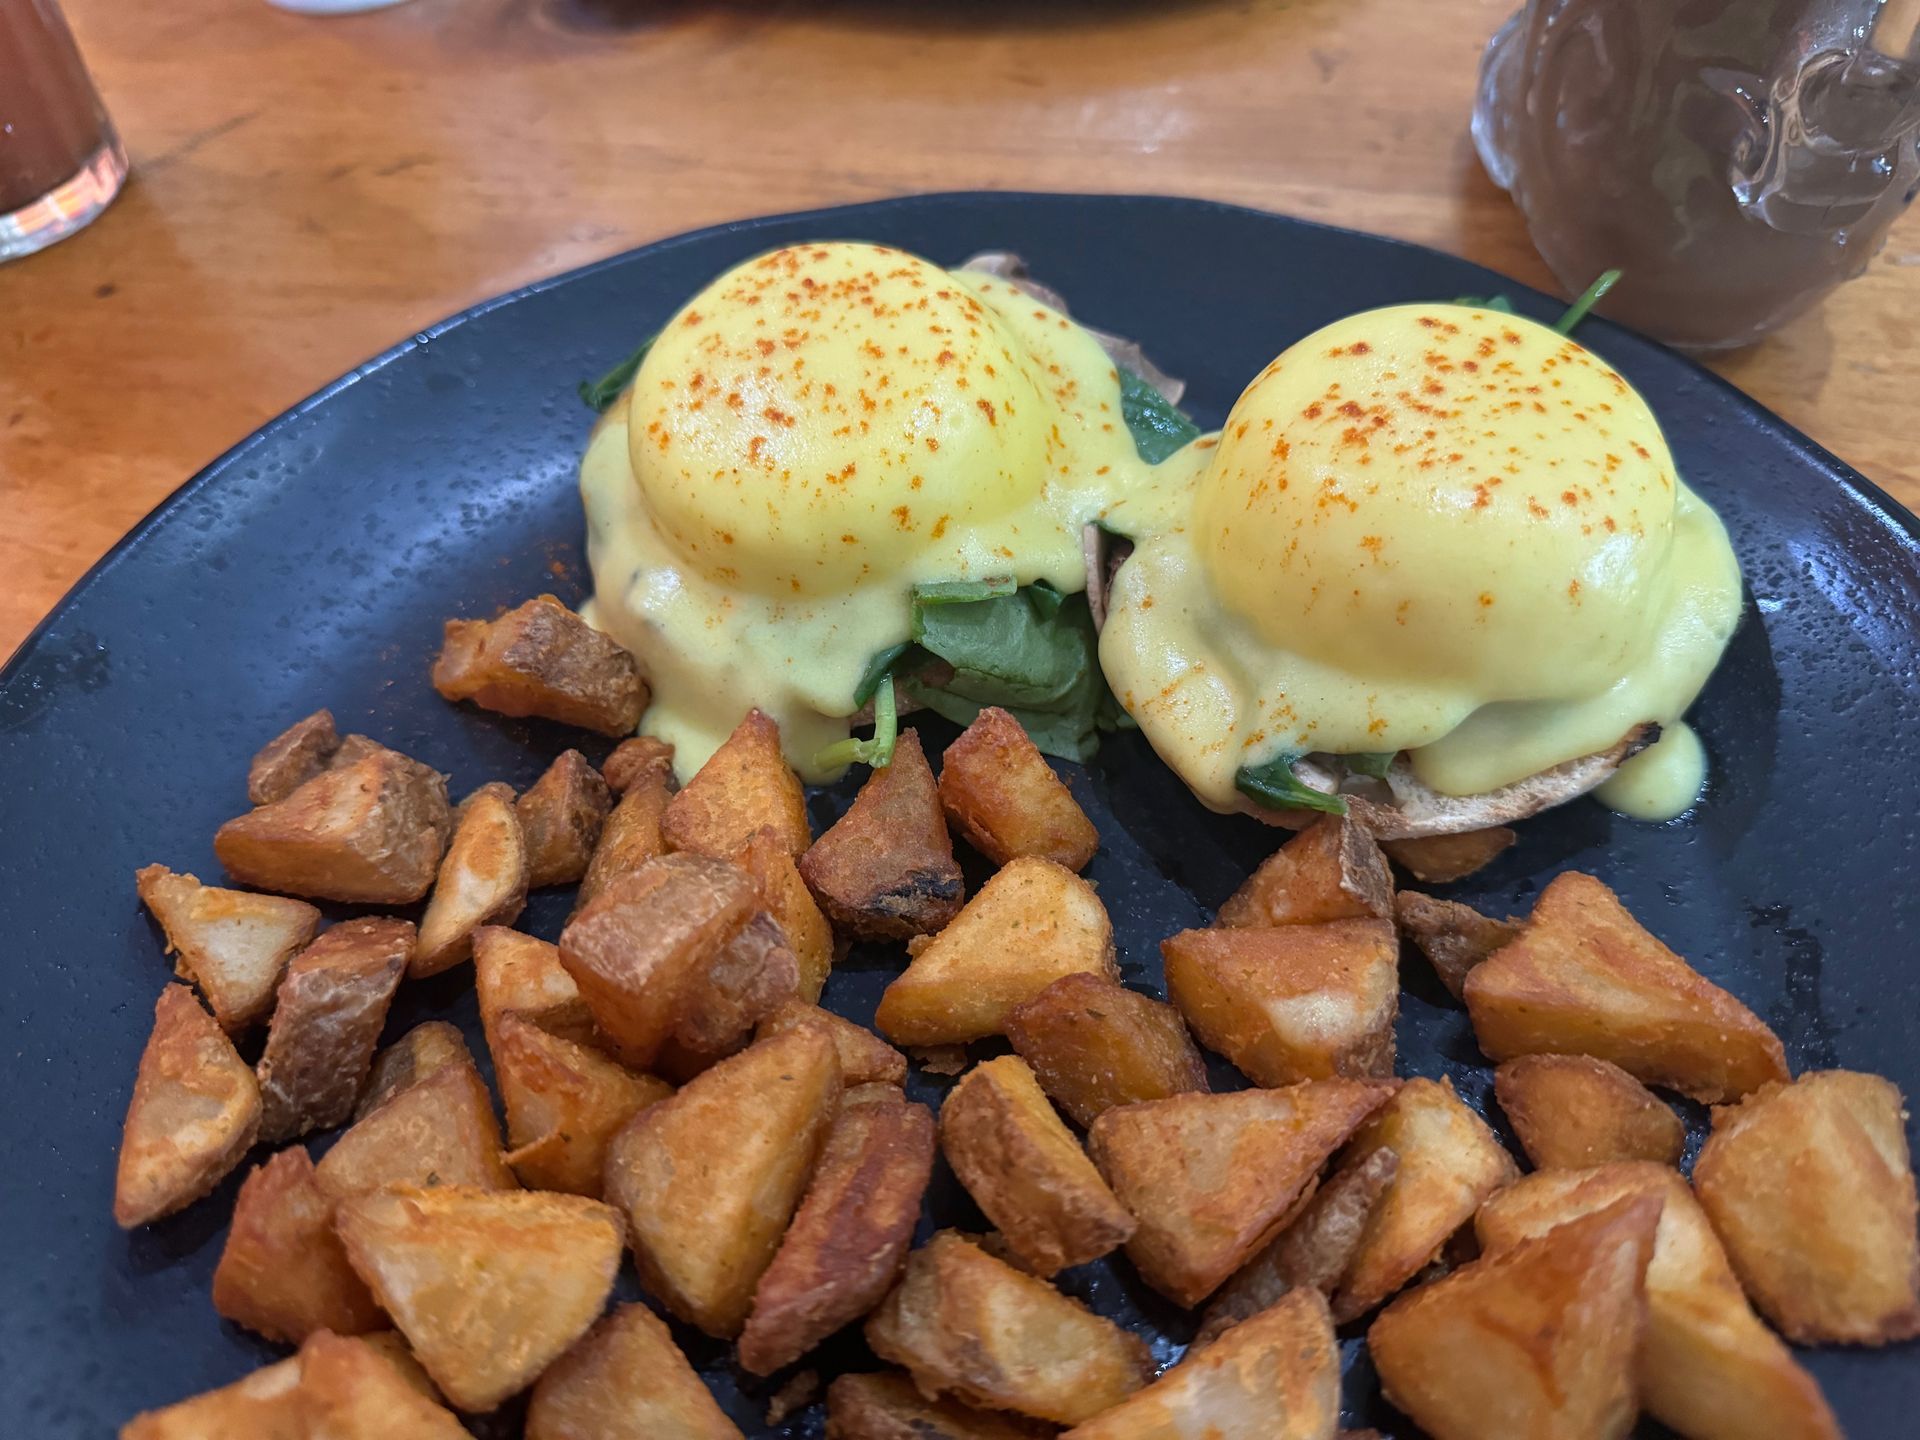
[{"x": 308, "y": 191}]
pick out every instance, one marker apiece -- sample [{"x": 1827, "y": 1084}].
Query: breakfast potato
[
  {"x": 1033, "y": 922},
  {"x": 1812, "y": 1191},
  {"x": 492, "y": 790},
  {"x": 1541, "y": 1340},
  {"x": 1212, "y": 1178},
  {"x": 440, "y": 1130},
  {"x": 542, "y": 659},
  {"x": 516, "y": 972},
  {"x": 1332, "y": 870},
  {"x": 970, "y": 1326},
  {"x": 631, "y": 837},
  {"x": 283, "y": 1272},
  {"x": 1709, "y": 1368},
  {"x": 195, "y": 1111},
  {"x": 561, "y": 817},
  {"x": 626, "y": 1380},
  {"x": 850, "y": 1236},
  {"x": 427, "y": 1047},
  {"x": 784, "y": 896},
  {"x": 1025, "y": 1170},
  {"x": 1006, "y": 801},
  {"x": 1449, "y": 1161},
  {"x": 564, "y": 1105},
  {"x": 750, "y": 977},
  {"x": 331, "y": 1008},
  {"x": 358, "y": 1389},
  {"x": 1584, "y": 978},
  {"x": 744, "y": 786},
  {"x": 634, "y": 759},
  {"x": 1453, "y": 937},
  {"x": 1094, "y": 1044},
  {"x": 1291, "y": 1002},
  {"x": 233, "y": 945},
  {"x": 488, "y": 1287},
  {"x": 864, "y": 1056},
  {"x": 885, "y": 870},
  {"x": 1442, "y": 859},
  {"x": 1275, "y": 1377},
  {"x": 889, "y": 1406},
  {"x": 1572, "y": 1111},
  {"x": 292, "y": 758},
  {"x": 263, "y": 1405},
  {"x": 710, "y": 1177},
  {"x": 482, "y": 881}
]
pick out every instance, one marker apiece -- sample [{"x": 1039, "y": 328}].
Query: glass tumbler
[{"x": 61, "y": 163}]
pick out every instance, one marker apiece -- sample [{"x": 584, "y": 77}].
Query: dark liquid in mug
[{"x": 51, "y": 121}]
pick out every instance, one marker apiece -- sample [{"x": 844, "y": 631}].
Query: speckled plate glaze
[{"x": 314, "y": 564}]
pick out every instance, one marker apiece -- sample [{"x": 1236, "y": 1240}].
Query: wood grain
[{"x": 309, "y": 191}]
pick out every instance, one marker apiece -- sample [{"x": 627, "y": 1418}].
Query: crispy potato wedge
[
  {"x": 331, "y": 1008},
  {"x": 1811, "y": 1188},
  {"x": 561, "y": 817},
  {"x": 427, "y": 1047},
  {"x": 885, "y": 870},
  {"x": 516, "y": 972},
  {"x": 233, "y": 945},
  {"x": 355, "y": 1389},
  {"x": 265, "y": 1405},
  {"x": 636, "y": 758},
  {"x": 1094, "y": 1044},
  {"x": 1291, "y": 1002},
  {"x": 1025, "y": 1170},
  {"x": 626, "y": 1380},
  {"x": 864, "y": 1056},
  {"x": 744, "y": 786},
  {"x": 292, "y": 758},
  {"x": 1541, "y": 1340},
  {"x": 1212, "y": 1178},
  {"x": 370, "y": 832},
  {"x": 631, "y": 837},
  {"x": 492, "y": 790},
  {"x": 850, "y": 1235},
  {"x": 710, "y": 1177},
  {"x": 1332, "y": 870},
  {"x": 564, "y": 1105},
  {"x": 440, "y": 1130},
  {"x": 1573, "y": 1111},
  {"x": 1275, "y": 1377},
  {"x": 784, "y": 896},
  {"x": 1453, "y": 937},
  {"x": 1442, "y": 859},
  {"x": 1584, "y": 978},
  {"x": 542, "y": 659},
  {"x": 1709, "y": 1368},
  {"x": 888, "y": 1406},
  {"x": 483, "y": 881},
  {"x": 970, "y": 1326},
  {"x": 1449, "y": 1161},
  {"x": 488, "y": 1287},
  {"x": 751, "y": 976},
  {"x": 283, "y": 1273},
  {"x": 195, "y": 1111},
  {"x": 1006, "y": 801},
  {"x": 1033, "y": 922}
]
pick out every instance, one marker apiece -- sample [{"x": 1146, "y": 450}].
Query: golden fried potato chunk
[
  {"x": 233, "y": 945},
  {"x": 429, "y": 1046},
  {"x": 1708, "y": 1367},
  {"x": 482, "y": 881},
  {"x": 331, "y": 1008},
  {"x": 488, "y": 1287},
  {"x": 1033, "y": 922},
  {"x": 292, "y": 758},
  {"x": 1003, "y": 797},
  {"x": 850, "y": 1235},
  {"x": 516, "y": 972},
  {"x": 561, "y": 817},
  {"x": 887, "y": 1405},
  {"x": 710, "y": 1177},
  {"x": 283, "y": 1272},
  {"x": 1442, "y": 859},
  {"x": 885, "y": 869},
  {"x": 358, "y": 1389},
  {"x": 1291, "y": 1002},
  {"x": 1540, "y": 1340},
  {"x": 371, "y": 832},
  {"x": 631, "y": 837},
  {"x": 636, "y": 758},
  {"x": 968, "y": 1325},
  {"x": 1025, "y": 1170},
  {"x": 1811, "y": 1188},
  {"x": 542, "y": 659},
  {"x": 195, "y": 1111},
  {"x": 1584, "y": 978},
  {"x": 1572, "y": 1111},
  {"x": 745, "y": 785},
  {"x": 1094, "y": 1044},
  {"x": 265, "y": 1405},
  {"x": 439, "y": 1130},
  {"x": 626, "y": 1380},
  {"x": 1449, "y": 1161},
  {"x": 1212, "y": 1178},
  {"x": 1454, "y": 937},
  {"x": 864, "y": 1056},
  {"x": 1332, "y": 870},
  {"x": 1275, "y": 1377},
  {"x": 564, "y": 1105},
  {"x": 784, "y": 896}
]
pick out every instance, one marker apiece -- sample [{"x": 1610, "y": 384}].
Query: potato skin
[
  {"x": 1573, "y": 1111},
  {"x": 292, "y": 758},
  {"x": 542, "y": 659},
  {"x": 1443, "y": 859},
  {"x": 1454, "y": 937},
  {"x": 561, "y": 817},
  {"x": 1094, "y": 1044},
  {"x": 625, "y": 1380},
  {"x": 1332, "y": 870},
  {"x": 1006, "y": 801}
]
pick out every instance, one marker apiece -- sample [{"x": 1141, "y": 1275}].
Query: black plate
[{"x": 314, "y": 563}]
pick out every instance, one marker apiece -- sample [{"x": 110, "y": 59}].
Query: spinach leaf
[
  {"x": 1159, "y": 427},
  {"x": 962, "y": 592},
  {"x": 1371, "y": 762},
  {"x": 883, "y": 665},
  {"x": 877, "y": 750},
  {"x": 599, "y": 394},
  {"x": 1275, "y": 786},
  {"x": 1495, "y": 302}
]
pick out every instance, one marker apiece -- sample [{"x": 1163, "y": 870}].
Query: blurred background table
[{"x": 307, "y": 192}]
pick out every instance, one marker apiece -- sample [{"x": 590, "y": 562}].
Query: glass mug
[
  {"x": 61, "y": 163},
  {"x": 1736, "y": 159}
]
